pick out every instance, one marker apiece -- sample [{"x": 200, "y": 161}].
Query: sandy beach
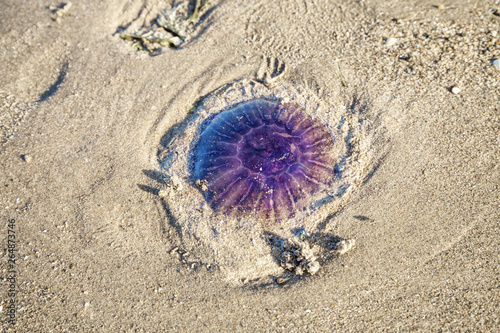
[{"x": 105, "y": 229}]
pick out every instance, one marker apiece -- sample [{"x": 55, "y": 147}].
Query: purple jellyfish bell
[{"x": 265, "y": 158}]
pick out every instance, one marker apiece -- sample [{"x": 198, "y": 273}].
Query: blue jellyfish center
[{"x": 269, "y": 150}]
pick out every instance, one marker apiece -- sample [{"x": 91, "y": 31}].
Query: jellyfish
[{"x": 264, "y": 158}]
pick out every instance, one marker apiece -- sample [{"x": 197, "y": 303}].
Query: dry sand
[{"x": 83, "y": 118}]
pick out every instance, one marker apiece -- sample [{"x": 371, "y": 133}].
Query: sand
[{"x": 93, "y": 243}]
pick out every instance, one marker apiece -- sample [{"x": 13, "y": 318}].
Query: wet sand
[{"x": 83, "y": 119}]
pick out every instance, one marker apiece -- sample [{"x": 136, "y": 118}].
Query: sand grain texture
[{"x": 97, "y": 248}]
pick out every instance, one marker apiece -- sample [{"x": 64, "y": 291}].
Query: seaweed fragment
[{"x": 171, "y": 27}]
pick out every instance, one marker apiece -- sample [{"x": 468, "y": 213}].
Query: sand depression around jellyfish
[{"x": 252, "y": 161}]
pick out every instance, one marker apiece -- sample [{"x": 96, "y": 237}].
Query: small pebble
[
  {"x": 26, "y": 158},
  {"x": 456, "y": 90},
  {"x": 344, "y": 246},
  {"x": 496, "y": 63},
  {"x": 175, "y": 41},
  {"x": 440, "y": 6},
  {"x": 390, "y": 41}
]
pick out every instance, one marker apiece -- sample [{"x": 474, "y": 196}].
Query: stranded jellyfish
[{"x": 264, "y": 158}]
